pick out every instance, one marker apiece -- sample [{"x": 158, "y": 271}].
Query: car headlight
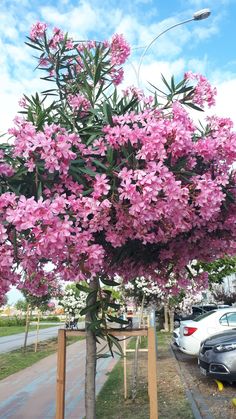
[{"x": 225, "y": 347}]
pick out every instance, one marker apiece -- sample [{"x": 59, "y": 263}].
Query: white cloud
[
  {"x": 167, "y": 55},
  {"x": 225, "y": 102}
]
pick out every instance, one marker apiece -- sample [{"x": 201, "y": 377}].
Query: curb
[{"x": 193, "y": 399}]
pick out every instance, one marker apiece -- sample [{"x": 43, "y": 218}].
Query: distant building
[{"x": 229, "y": 283}]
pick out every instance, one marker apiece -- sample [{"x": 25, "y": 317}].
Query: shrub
[{"x": 12, "y": 321}]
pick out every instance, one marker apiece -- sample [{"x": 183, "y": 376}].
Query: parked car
[
  {"x": 175, "y": 337},
  {"x": 193, "y": 332},
  {"x": 217, "y": 356},
  {"x": 197, "y": 310}
]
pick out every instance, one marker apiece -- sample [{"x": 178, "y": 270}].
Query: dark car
[{"x": 217, "y": 356}]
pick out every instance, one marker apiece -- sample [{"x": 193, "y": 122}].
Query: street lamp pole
[{"x": 199, "y": 15}]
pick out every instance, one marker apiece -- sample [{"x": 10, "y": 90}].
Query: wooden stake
[
  {"x": 61, "y": 378},
  {"x": 37, "y": 333},
  {"x": 125, "y": 370},
  {"x": 27, "y": 323},
  {"x": 152, "y": 373}
]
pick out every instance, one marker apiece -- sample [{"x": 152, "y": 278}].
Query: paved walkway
[
  {"x": 30, "y": 393},
  {"x": 9, "y": 343}
]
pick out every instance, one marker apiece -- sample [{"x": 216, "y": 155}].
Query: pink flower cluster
[
  {"x": 79, "y": 104},
  {"x": 120, "y": 50},
  {"x": 203, "y": 92},
  {"x": 5, "y": 168},
  {"x": 38, "y": 30},
  {"x": 57, "y": 38},
  {"x": 137, "y": 196},
  {"x": 53, "y": 146}
]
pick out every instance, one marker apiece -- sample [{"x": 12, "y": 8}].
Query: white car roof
[{"x": 216, "y": 312}]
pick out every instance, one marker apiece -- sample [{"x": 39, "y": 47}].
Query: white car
[
  {"x": 193, "y": 332},
  {"x": 175, "y": 337}
]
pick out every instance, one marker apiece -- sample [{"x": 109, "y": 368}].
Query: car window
[
  {"x": 209, "y": 313},
  {"x": 228, "y": 319},
  {"x": 197, "y": 310}
]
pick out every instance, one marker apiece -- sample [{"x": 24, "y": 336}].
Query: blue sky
[{"x": 206, "y": 46}]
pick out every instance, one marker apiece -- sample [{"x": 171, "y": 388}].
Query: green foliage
[
  {"x": 218, "y": 269},
  {"x": 21, "y": 305},
  {"x": 12, "y": 321},
  {"x": 37, "y": 302},
  {"x": 47, "y": 319}
]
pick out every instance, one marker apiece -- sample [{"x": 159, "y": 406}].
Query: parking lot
[{"x": 203, "y": 393}]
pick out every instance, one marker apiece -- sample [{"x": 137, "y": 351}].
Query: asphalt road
[{"x": 9, "y": 343}]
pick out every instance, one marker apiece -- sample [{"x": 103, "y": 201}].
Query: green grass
[
  {"x": 14, "y": 361},
  {"x": 172, "y": 402},
  {"x": 12, "y": 330}
]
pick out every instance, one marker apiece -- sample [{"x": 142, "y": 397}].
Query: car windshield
[{"x": 202, "y": 316}]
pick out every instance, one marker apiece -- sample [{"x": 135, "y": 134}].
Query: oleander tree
[
  {"x": 146, "y": 293},
  {"x": 72, "y": 301},
  {"x": 98, "y": 183}
]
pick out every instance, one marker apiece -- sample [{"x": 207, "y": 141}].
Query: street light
[{"x": 199, "y": 15}]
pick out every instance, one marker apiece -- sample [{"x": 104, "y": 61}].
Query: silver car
[{"x": 217, "y": 356}]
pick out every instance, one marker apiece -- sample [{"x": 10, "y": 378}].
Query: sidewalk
[{"x": 30, "y": 393}]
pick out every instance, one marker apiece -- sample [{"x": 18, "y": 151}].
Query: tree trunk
[
  {"x": 91, "y": 350},
  {"x": 135, "y": 370},
  {"x": 27, "y": 324},
  {"x": 171, "y": 316},
  {"x": 166, "y": 321}
]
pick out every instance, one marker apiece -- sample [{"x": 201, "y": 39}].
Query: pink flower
[
  {"x": 38, "y": 30},
  {"x": 79, "y": 104},
  {"x": 120, "y": 50},
  {"x": 203, "y": 92},
  {"x": 100, "y": 186}
]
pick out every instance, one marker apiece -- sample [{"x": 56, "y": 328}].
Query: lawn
[
  {"x": 17, "y": 360},
  {"x": 172, "y": 402},
  {"x": 12, "y": 330}
]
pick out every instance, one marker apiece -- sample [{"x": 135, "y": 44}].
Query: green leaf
[
  {"x": 110, "y": 155},
  {"x": 180, "y": 84},
  {"x": 97, "y": 74},
  {"x": 117, "y": 320},
  {"x": 83, "y": 288},
  {"x": 88, "y": 192},
  {"x": 113, "y": 305},
  {"x": 165, "y": 82},
  {"x": 183, "y": 90},
  {"x": 115, "y": 341},
  {"x": 87, "y": 171},
  {"x": 103, "y": 356},
  {"x": 33, "y": 46},
  {"x": 173, "y": 84},
  {"x": 99, "y": 164},
  {"x": 90, "y": 308},
  {"x": 108, "y": 113},
  {"x": 156, "y": 88},
  {"x": 109, "y": 282},
  {"x": 193, "y": 106}
]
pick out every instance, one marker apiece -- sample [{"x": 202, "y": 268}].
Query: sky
[{"x": 206, "y": 46}]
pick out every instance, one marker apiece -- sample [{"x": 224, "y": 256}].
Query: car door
[{"x": 228, "y": 321}]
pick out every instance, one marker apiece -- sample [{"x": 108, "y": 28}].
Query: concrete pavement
[{"x": 30, "y": 393}]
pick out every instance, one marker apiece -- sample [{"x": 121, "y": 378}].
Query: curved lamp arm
[{"x": 200, "y": 15}]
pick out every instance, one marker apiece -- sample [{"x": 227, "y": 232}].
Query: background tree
[
  {"x": 73, "y": 301},
  {"x": 218, "y": 269},
  {"x": 3, "y": 301},
  {"x": 222, "y": 296}
]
